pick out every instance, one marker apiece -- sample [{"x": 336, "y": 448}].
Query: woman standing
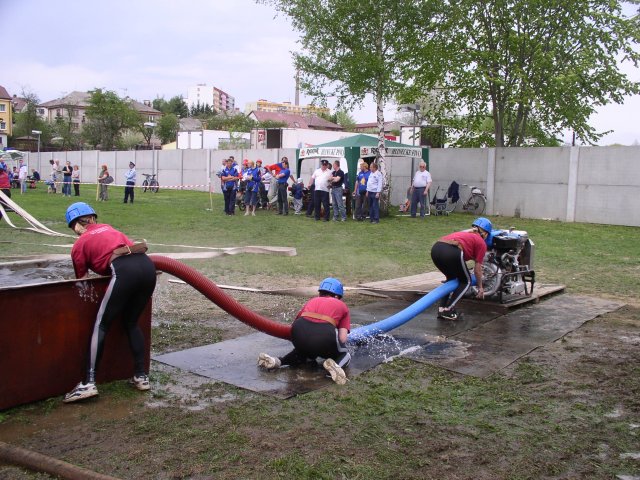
[{"x": 75, "y": 178}]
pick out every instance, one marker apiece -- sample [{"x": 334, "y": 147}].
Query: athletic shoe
[
  {"x": 253, "y": 214},
  {"x": 141, "y": 382},
  {"x": 336, "y": 372},
  {"x": 268, "y": 362},
  {"x": 80, "y": 392},
  {"x": 246, "y": 213},
  {"x": 448, "y": 315}
]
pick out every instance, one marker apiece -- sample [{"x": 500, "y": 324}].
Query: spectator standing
[
  {"x": 321, "y": 179},
  {"x": 229, "y": 178},
  {"x": 262, "y": 188},
  {"x": 253, "y": 186},
  {"x": 374, "y": 190},
  {"x": 75, "y": 178},
  {"x": 297, "y": 192},
  {"x": 337, "y": 185},
  {"x": 5, "y": 183},
  {"x": 283, "y": 181},
  {"x": 360, "y": 191},
  {"x": 130, "y": 180},
  {"x": 103, "y": 181},
  {"x": 23, "y": 173},
  {"x": 51, "y": 183},
  {"x": 106, "y": 251},
  {"x": 67, "y": 170},
  {"x": 420, "y": 190},
  {"x": 319, "y": 330}
]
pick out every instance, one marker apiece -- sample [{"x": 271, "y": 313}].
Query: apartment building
[
  {"x": 6, "y": 117},
  {"x": 202, "y": 94},
  {"x": 263, "y": 105}
]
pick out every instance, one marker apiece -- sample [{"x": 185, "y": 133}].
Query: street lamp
[
  {"x": 38, "y": 133},
  {"x": 415, "y": 108}
]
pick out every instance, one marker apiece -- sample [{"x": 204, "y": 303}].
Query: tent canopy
[{"x": 359, "y": 146}]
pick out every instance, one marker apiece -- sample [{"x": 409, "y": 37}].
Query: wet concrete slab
[
  {"x": 496, "y": 344},
  {"x": 482, "y": 342}
]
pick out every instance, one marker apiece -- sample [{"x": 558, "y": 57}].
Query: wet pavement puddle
[{"x": 482, "y": 342}]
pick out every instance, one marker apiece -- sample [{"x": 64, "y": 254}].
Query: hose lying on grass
[{"x": 22, "y": 457}]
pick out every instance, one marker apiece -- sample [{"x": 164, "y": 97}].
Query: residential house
[
  {"x": 6, "y": 117},
  {"x": 311, "y": 122},
  {"x": 74, "y": 106}
]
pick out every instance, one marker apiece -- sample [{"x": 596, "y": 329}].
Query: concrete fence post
[
  {"x": 491, "y": 179},
  {"x": 572, "y": 183}
]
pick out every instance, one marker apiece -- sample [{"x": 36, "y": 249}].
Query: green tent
[{"x": 359, "y": 146}]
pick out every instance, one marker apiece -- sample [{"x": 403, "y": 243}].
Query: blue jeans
[
  {"x": 418, "y": 197},
  {"x": 374, "y": 207},
  {"x": 338, "y": 204}
]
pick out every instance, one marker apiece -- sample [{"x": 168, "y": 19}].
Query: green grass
[
  {"x": 400, "y": 420},
  {"x": 597, "y": 259}
]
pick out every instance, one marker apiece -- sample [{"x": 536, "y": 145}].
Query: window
[
  {"x": 3, "y": 126},
  {"x": 3, "y": 107},
  {"x": 40, "y": 111}
]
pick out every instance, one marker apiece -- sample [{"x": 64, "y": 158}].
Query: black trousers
[
  {"x": 449, "y": 260},
  {"x": 321, "y": 200},
  {"x": 312, "y": 340},
  {"x": 128, "y": 191},
  {"x": 133, "y": 279},
  {"x": 283, "y": 202}
]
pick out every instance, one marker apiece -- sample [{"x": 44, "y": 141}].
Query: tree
[
  {"x": 536, "y": 68},
  {"x": 28, "y": 119},
  {"x": 109, "y": 117},
  {"x": 345, "y": 120},
  {"x": 352, "y": 48},
  {"x": 175, "y": 105},
  {"x": 167, "y": 129}
]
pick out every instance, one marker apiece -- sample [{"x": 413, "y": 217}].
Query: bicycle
[
  {"x": 150, "y": 183},
  {"x": 475, "y": 203}
]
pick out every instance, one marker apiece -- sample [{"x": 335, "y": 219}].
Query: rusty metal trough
[{"x": 44, "y": 337}]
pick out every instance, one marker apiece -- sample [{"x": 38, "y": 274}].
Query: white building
[{"x": 217, "y": 99}]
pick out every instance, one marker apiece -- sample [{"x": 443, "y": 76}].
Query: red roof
[
  {"x": 312, "y": 122},
  {"x": 4, "y": 94}
]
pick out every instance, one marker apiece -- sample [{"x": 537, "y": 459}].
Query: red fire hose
[{"x": 217, "y": 296}]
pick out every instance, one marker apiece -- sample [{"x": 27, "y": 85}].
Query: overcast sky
[{"x": 158, "y": 48}]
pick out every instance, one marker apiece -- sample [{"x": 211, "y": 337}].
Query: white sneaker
[
  {"x": 253, "y": 214},
  {"x": 336, "y": 371},
  {"x": 80, "y": 392},
  {"x": 140, "y": 382},
  {"x": 246, "y": 213},
  {"x": 268, "y": 362}
]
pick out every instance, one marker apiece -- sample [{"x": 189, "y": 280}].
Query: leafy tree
[
  {"x": 167, "y": 129},
  {"x": 28, "y": 119},
  {"x": 64, "y": 130},
  {"x": 109, "y": 117},
  {"x": 271, "y": 124},
  {"x": 535, "y": 68},
  {"x": 175, "y": 105},
  {"x": 230, "y": 122},
  {"x": 352, "y": 48},
  {"x": 345, "y": 120}
]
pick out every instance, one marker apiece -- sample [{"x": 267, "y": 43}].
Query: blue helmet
[
  {"x": 77, "y": 210},
  {"x": 483, "y": 223},
  {"x": 331, "y": 285}
]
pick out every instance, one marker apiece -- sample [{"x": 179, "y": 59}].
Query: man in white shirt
[
  {"x": 23, "y": 173},
  {"x": 374, "y": 190},
  {"x": 321, "y": 178},
  {"x": 420, "y": 190}
]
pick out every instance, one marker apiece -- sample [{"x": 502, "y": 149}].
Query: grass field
[{"x": 568, "y": 410}]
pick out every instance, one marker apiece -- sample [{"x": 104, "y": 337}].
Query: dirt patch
[{"x": 570, "y": 409}]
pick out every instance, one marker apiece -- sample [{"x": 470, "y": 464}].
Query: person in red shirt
[
  {"x": 106, "y": 251},
  {"x": 449, "y": 255},
  {"x": 319, "y": 330},
  {"x": 5, "y": 184}
]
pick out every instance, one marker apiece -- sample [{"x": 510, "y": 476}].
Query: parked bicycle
[
  {"x": 150, "y": 183},
  {"x": 444, "y": 202}
]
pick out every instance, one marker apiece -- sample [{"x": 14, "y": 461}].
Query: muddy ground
[{"x": 570, "y": 409}]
